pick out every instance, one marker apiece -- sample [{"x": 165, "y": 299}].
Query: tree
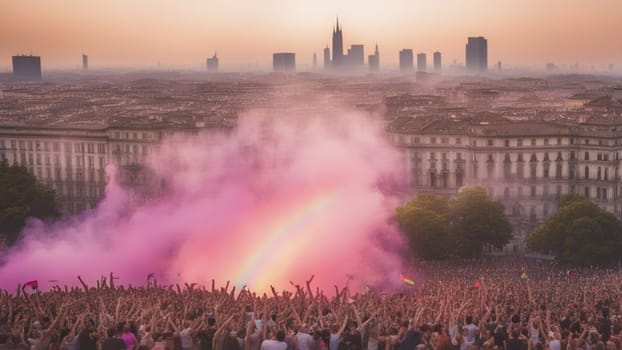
[
  {"x": 22, "y": 196},
  {"x": 425, "y": 222},
  {"x": 579, "y": 233},
  {"x": 437, "y": 227},
  {"x": 478, "y": 220}
]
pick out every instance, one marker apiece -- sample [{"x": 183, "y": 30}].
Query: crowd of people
[{"x": 452, "y": 306}]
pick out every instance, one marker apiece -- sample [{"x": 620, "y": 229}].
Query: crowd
[{"x": 452, "y": 306}]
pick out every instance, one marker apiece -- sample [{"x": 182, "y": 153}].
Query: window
[
  {"x": 598, "y": 173},
  {"x": 432, "y": 156},
  {"x": 572, "y": 155},
  {"x": 587, "y": 156},
  {"x": 545, "y": 172},
  {"x": 458, "y": 141},
  {"x": 443, "y": 140},
  {"x": 459, "y": 156},
  {"x": 433, "y": 140},
  {"x": 417, "y": 140},
  {"x": 558, "y": 193},
  {"x": 491, "y": 143},
  {"x": 603, "y": 194},
  {"x": 533, "y": 191},
  {"x": 586, "y": 173},
  {"x": 599, "y": 156},
  {"x": 533, "y": 171},
  {"x": 459, "y": 179},
  {"x": 507, "y": 143},
  {"x": 546, "y": 142},
  {"x": 586, "y": 191},
  {"x": 506, "y": 193},
  {"x": 586, "y": 141},
  {"x": 519, "y": 142},
  {"x": 546, "y": 156},
  {"x": 533, "y": 142},
  {"x": 572, "y": 141},
  {"x": 559, "y": 140}
]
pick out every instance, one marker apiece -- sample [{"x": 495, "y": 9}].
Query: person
[
  {"x": 186, "y": 336},
  {"x": 277, "y": 344},
  {"x": 128, "y": 337},
  {"x": 113, "y": 342}
]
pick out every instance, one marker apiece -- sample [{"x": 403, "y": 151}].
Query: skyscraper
[
  {"x": 477, "y": 54},
  {"x": 374, "y": 61},
  {"x": 326, "y": 57},
  {"x": 314, "y": 61},
  {"x": 421, "y": 62},
  {"x": 406, "y": 60},
  {"x": 85, "y": 62},
  {"x": 27, "y": 67},
  {"x": 284, "y": 62},
  {"x": 337, "y": 46},
  {"x": 212, "y": 63},
  {"x": 437, "y": 61},
  {"x": 356, "y": 56}
]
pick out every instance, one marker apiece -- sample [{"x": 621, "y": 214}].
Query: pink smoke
[{"x": 277, "y": 200}]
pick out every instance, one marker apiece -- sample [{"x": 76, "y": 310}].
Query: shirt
[{"x": 273, "y": 345}]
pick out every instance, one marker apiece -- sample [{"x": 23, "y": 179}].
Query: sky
[{"x": 182, "y": 33}]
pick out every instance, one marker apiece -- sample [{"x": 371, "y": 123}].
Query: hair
[
  {"x": 469, "y": 319},
  {"x": 111, "y": 332},
  {"x": 280, "y": 335}
]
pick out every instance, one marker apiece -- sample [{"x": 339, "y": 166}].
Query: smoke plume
[{"x": 278, "y": 199}]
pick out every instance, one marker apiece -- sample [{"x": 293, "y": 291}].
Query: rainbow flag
[
  {"x": 32, "y": 284},
  {"x": 407, "y": 280}
]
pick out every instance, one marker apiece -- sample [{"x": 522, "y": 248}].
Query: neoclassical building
[
  {"x": 73, "y": 160},
  {"x": 526, "y": 165}
]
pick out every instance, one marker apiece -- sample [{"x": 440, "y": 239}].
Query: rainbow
[{"x": 283, "y": 235}]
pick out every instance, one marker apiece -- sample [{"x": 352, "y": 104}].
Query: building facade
[
  {"x": 284, "y": 62},
  {"x": 526, "y": 166},
  {"x": 26, "y": 67},
  {"x": 437, "y": 61},
  {"x": 406, "y": 60},
  {"x": 477, "y": 54},
  {"x": 421, "y": 62}
]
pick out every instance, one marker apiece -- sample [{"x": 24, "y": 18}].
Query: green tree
[
  {"x": 22, "y": 196},
  {"x": 438, "y": 227},
  {"x": 478, "y": 220},
  {"x": 579, "y": 233},
  {"x": 425, "y": 222}
]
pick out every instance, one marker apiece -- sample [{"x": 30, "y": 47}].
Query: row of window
[
  {"x": 506, "y": 143},
  {"x": 132, "y": 136}
]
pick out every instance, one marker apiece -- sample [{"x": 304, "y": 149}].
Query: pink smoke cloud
[{"x": 276, "y": 200}]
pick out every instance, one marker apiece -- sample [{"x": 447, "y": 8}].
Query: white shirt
[
  {"x": 303, "y": 340},
  {"x": 273, "y": 345},
  {"x": 186, "y": 338}
]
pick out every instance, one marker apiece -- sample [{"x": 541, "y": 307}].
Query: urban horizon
[{"x": 579, "y": 41}]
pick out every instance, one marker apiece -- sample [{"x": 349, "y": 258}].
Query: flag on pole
[
  {"x": 32, "y": 284},
  {"x": 150, "y": 276},
  {"x": 408, "y": 281},
  {"x": 477, "y": 285}
]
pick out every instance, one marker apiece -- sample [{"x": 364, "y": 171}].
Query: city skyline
[{"x": 141, "y": 33}]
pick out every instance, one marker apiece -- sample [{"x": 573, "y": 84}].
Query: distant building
[
  {"x": 212, "y": 63},
  {"x": 337, "y": 46},
  {"x": 326, "y": 57},
  {"x": 477, "y": 54},
  {"x": 374, "y": 61},
  {"x": 437, "y": 61},
  {"x": 27, "y": 67},
  {"x": 499, "y": 65},
  {"x": 85, "y": 62},
  {"x": 421, "y": 62},
  {"x": 406, "y": 60},
  {"x": 551, "y": 67},
  {"x": 314, "y": 61},
  {"x": 284, "y": 62},
  {"x": 356, "y": 56}
]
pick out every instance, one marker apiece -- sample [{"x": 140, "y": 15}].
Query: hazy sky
[{"x": 133, "y": 33}]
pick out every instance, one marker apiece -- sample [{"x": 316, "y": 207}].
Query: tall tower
[
  {"x": 326, "y": 57},
  {"x": 314, "y": 61},
  {"x": 374, "y": 60},
  {"x": 337, "y": 46},
  {"x": 85, "y": 62},
  {"x": 437, "y": 61},
  {"x": 477, "y": 54}
]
